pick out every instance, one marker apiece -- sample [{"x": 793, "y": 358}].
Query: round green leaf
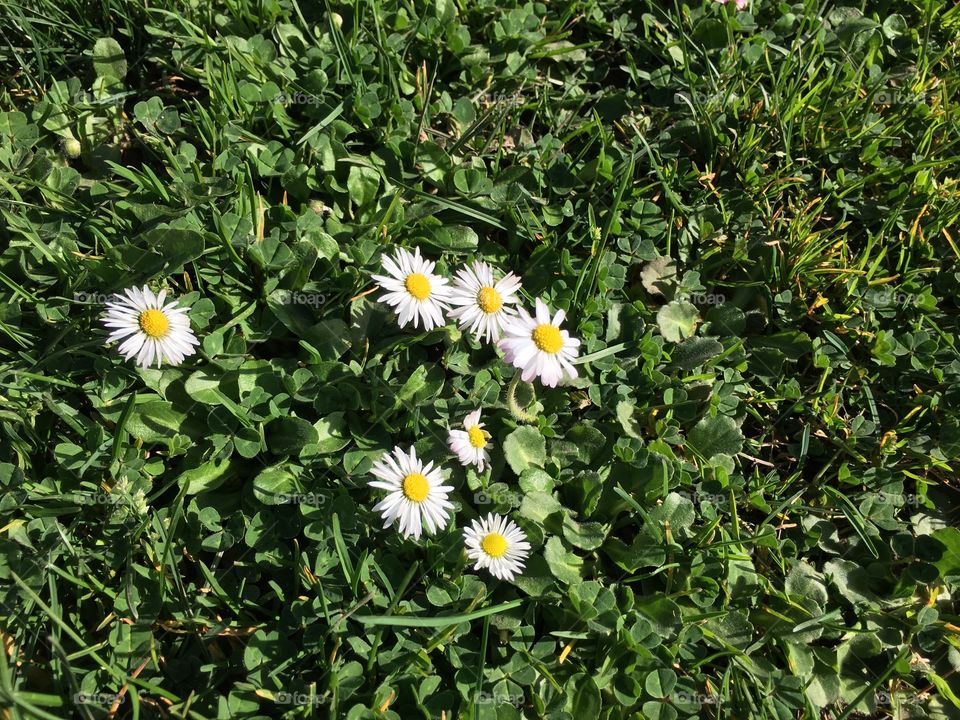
[
  {"x": 678, "y": 320},
  {"x": 108, "y": 59},
  {"x": 660, "y": 683},
  {"x": 289, "y": 435},
  {"x": 208, "y": 476},
  {"x": 713, "y": 435},
  {"x": 272, "y": 483},
  {"x": 525, "y": 447}
]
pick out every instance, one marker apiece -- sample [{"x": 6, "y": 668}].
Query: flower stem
[{"x": 518, "y": 412}]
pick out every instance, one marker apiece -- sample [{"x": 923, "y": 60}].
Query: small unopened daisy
[
  {"x": 470, "y": 444},
  {"x": 413, "y": 290},
  {"x": 151, "y": 331},
  {"x": 538, "y": 347},
  {"x": 497, "y": 544},
  {"x": 417, "y": 495},
  {"x": 482, "y": 304}
]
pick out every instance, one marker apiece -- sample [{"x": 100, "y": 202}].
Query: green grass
[{"x": 744, "y": 507}]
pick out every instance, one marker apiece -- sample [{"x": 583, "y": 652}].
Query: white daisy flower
[
  {"x": 538, "y": 347},
  {"x": 498, "y": 545},
  {"x": 470, "y": 444},
  {"x": 483, "y": 305},
  {"x": 417, "y": 496},
  {"x": 413, "y": 290},
  {"x": 154, "y": 332}
]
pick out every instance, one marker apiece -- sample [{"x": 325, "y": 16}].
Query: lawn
[{"x": 485, "y": 360}]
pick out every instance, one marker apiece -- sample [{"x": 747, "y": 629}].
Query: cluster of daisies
[
  {"x": 152, "y": 330},
  {"x": 485, "y": 307},
  {"x": 417, "y": 497},
  {"x": 488, "y": 308}
]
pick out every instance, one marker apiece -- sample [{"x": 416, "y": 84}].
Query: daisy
[
  {"x": 470, "y": 444},
  {"x": 497, "y": 544},
  {"x": 417, "y": 495},
  {"x": 153, "y": 331},
  {"x": 538, "y": 346},
  {"x": 413, "y": 290},
  {"x": 741, "y": 4},
  {"x": 483, "y": 305}
]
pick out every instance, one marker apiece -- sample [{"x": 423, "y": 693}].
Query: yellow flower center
[
  {"x": 548, "y": 338},
  {"x": 418, "y": 285},
  {"x": 494, "y": 545},
  {"x": 154, "y": 323},
  {"x": 489, "y": 300},
  {"x": 478, "y": 438},
  {"x": 416, "y": 487}
]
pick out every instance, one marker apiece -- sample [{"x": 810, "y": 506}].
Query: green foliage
[{"x": 745, "y": 506}]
